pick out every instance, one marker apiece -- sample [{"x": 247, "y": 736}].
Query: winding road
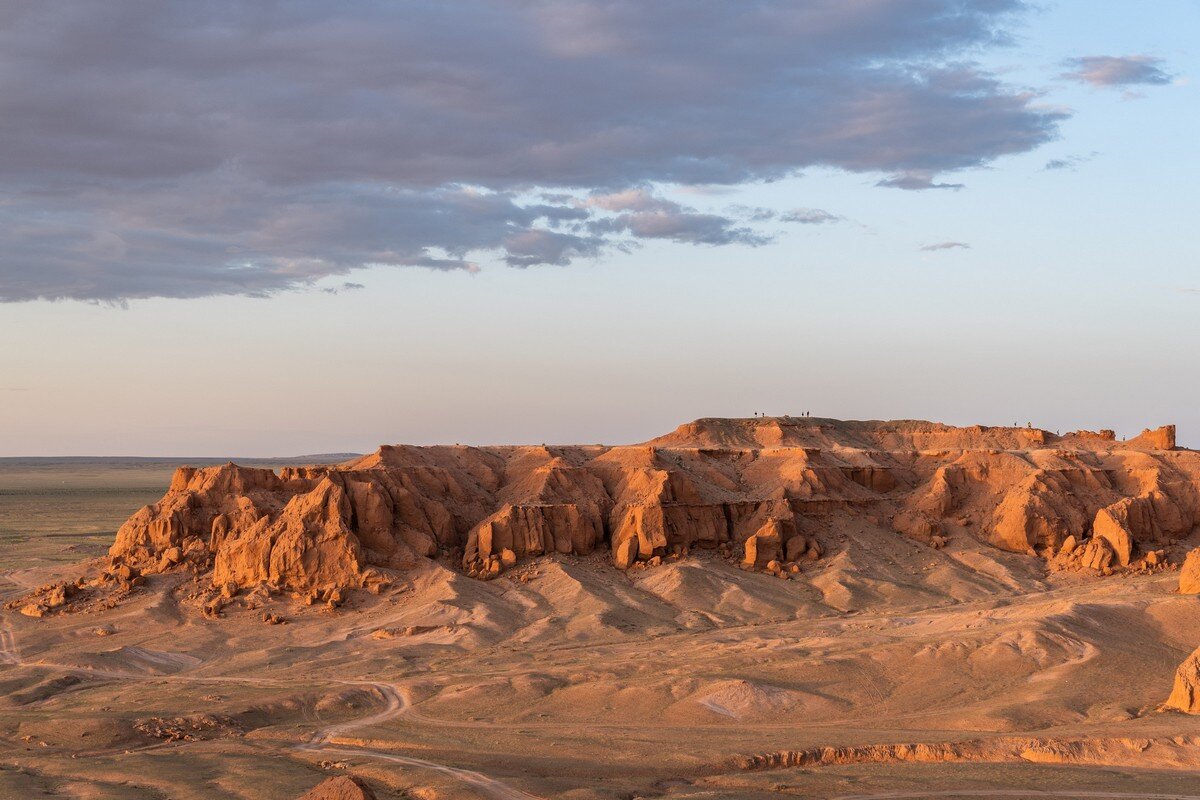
[{"x": 325, "y": 740}]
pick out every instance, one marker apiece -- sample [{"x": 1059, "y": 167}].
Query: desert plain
[{"x": 744, "y": 608}]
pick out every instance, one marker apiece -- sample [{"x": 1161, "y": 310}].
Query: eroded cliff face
[{"x": 770, "y": 490}]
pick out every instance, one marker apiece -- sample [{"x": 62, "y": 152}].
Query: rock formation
[
  {"x": 341, "y": 787},
  {"x": 769, "y": 490},
  {"x": 1185, "y": 696},
  {"x": 1189, "y": 576}
]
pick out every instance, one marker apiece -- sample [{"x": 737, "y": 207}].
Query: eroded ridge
[{"x": 766, "y": 491}]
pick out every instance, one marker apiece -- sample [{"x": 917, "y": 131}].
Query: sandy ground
[{"x": 568, "y": 678}]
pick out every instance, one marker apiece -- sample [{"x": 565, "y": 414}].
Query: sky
[{"x": 257, "y": 229}]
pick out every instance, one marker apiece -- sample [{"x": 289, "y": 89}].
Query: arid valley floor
[{"x": 907, "y": 648}]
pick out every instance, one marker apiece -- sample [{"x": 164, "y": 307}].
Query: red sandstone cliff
[{"x": 769, "y": 487}]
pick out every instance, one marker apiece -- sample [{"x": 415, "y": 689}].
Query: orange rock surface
[
  {"x": 1189, "y": 576},
  {"x": 1185, "y": 695},
  {"x": 767, "y": 489},
  {"x": 342, "y": 787}
]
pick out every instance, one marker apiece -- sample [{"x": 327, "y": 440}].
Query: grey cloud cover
[
  {"x": 931, "y": 248},
  {"x": 1117, "y": 71},
  {"x": 194, "y": 149}
]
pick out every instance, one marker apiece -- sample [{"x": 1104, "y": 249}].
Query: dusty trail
[
  {"x": 326, "y": 741},
  {"x": 323, "y": 741},
  {"x": 8, "y": 645}
]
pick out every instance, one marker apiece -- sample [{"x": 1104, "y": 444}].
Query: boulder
[
  {"x": 1109, "y": 525},
  {"x": 814, "y": 551},
  {"x": 1097, "y": 554},
  {"x": 796, "y": 548},
  {"x": 58, "y": 595},
  {"x": 765, "y": 545},
  {"x": 1185, "y": 695},
  {"x": 171, "y": 557},
  {"x": 1189, "y": 575},
  {"x": 1068, "y": 546},
  {"x": 625, "y": 553}
]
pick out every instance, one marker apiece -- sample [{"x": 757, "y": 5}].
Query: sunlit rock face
[{"x": 770, "y": 490}]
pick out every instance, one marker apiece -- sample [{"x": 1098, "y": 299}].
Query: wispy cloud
[
  {"x": 916, "y": 182},
  {"x": 809, "y": 216},
  {"x": 1117, "y": 71},
  {"x": 234, "y": 147},
  {"x": 929, "y": 248},
  {"x": 644, "y": 215},
  {"x": 346, "y": 286},
  {"x": 1068, "y": 162}
]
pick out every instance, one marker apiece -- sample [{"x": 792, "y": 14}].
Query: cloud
[
  {"x": 929, "y": 248},
  {"x": 185, "y": 150},
  {"x": 538, "y": 246},
  {"x": 1117, "y": 71},
  {"x": 915, "y": 182},
  {"x": 809, "y": 216},
  {"x": 346, "y": 286},
  {"x": 1068, "y": 162},
  {"x": 644, "y": 215}
]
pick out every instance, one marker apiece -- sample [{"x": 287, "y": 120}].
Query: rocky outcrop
[
  {"x": 767, "y": 543},
  {"x": 1189, "y": 576},
  {"x": 766, "y": 491},
  {"x": 1173, "y": 752},
  {"x": 1185, "y": 695},
  {"x": 1041, "y": 511}
]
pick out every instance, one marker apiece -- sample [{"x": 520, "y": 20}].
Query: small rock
[{"x": 1068, "y": 546}]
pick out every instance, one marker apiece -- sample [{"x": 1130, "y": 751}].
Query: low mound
[
  {"x": 748, "y": 700},
  {"x": 342, "y": 787},
  {"x": 770, "y": 492}
]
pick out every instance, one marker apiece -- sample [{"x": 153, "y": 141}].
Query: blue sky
[{"x": 1073, "y": 304}]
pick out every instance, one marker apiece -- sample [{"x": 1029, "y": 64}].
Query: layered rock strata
[{"x": 770, "y": 490}]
